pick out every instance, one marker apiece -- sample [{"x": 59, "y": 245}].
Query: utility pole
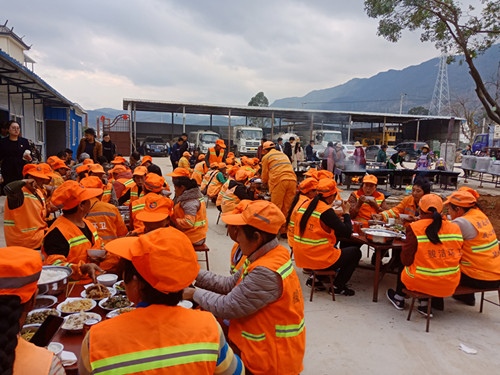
[{"x": 401, "y": 103}]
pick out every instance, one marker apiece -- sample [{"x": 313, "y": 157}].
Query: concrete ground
[{"x": 354, "y": 335}]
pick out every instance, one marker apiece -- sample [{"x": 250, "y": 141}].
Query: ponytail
[
  {"x": 294, "y": 202},
  {"x": 305, "y": 218},
  {"x": 433, "y": 229},
  {"x": 10, "y": 313}
]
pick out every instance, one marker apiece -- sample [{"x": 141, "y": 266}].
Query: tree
[
  {"x": 418, "y": 111},
  {"x": 469, "y": 110},
  {"x": 453, "y": 30},
  {"x": 259, "y": 100}
]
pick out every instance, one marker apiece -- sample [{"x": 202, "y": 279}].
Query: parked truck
[
  {"x": 202, "y": 140},
  {"x": 245, "y": 140},
  {"x": 321, "y": 138}
]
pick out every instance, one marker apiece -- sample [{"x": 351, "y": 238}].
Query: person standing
[
  {"x": 175, "y": 153},
  {"x": 310, "y": 151},
  {"x": 108, "y": 147},
  {"x": 259, "y": 149},
  {"x": 339, "y": 163},
  {"x": 467, "y": 152},
  {"x": 90, "y": 145},
  {"x": 297, "y": 155},
  {"x": 382, "y": 154},
  {"x": 14, "y": 154},
  {"x": 359, "y": 156},
  {"x": 279, "y": 145},
  {"x": 216, "y": 154},
  {"x": 393, "y": 164},
  {"x": 288, "y": 149},
  {"x": 328, "y": 162}
]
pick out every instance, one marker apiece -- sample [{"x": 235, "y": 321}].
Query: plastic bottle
[{"x": 408, "y": 189}]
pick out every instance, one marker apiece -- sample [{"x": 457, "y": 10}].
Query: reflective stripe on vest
[
  {"x": 437, "y": 271},
  {"x": 290, "y": 330},
  {"x": 442, "y": 237},
  {"x": 491, "y": 245},
  {"x": 156, "y": 358},
  {"x": 75, "y": 241},
  {"x": 253, "y": 337},
  {"x": 286, "y": 269},
  {"x": 138, "y": 207},
  {"x": 18, "y": 282},
  {"x": 314, "y": 213},
  {"x": 307, "y": 241},
  {"x": 131, "y": 181},
  {"x": 106, "y": 192},
  {"x": 9, "y": 223}
]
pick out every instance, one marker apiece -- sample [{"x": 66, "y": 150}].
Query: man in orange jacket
[{"x": 216, "y": 154}]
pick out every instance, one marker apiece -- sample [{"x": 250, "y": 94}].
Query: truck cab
[
  {"x": 323, "y": 137},
  {"x": 246, "y": 139},
  {"x": 202, "y": 140}
]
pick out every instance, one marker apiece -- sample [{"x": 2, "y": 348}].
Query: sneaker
[
  {"x": 423, "y": 311},
  {"x": 345, "y": 291},
  {"x": 318, "y": 285},
  {"x": 391, "y": 296}
]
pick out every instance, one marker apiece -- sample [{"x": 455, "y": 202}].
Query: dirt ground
[{"x": 491, "y": 207}]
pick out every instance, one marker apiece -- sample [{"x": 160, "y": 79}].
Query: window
[
  {"x": 74, "y": 132},
  {"x": 39, "y": 131},
  {"x": 80, "y": 133}
]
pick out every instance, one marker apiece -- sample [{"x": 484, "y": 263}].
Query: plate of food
[
  {"x": 75, "y": 322},
  {"x": 117, "y": 312},
  {"x": 75, "y": 305},
  {"x": 119, "y": 286},
  {"x": 45, "y": 301},
  {"x": 29, "y": 330},
  {"x": 97, "y": 292},
  {"x": 115, "y": 302},
  {"x": 38, "y": 316}
]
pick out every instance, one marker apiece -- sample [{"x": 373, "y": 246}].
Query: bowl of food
[
  {"x": 96, "y": 253},
  {"x": 115, "y": 302},
  {"x": 380, "y": 236},
  {"x": 53, "y": 280},
  {"x": 38, "y": 316},
  {"x": 97, "y": 292},
  {"x": 29, "y": 330},
  {"x": 45, "y": 301},
  {"x": 74, "y": 323},
  {"x": 107, "y": 279},
  {"x": 56, "y": 348},
  {"x": 75, "y": 305},
  {"x": 119, "y": 286},
  {"x": 117, "y": 312}
]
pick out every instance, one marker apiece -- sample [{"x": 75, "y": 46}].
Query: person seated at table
[
  {"x": 392, "y": 163},
  {"x": 156, "y": 213},
  {"x": 134, "y": 190},
  {"x": 430, "y": 257},
  {"x": 200, "y": 169},
  {"x": 20, "y": 270},
  {"x": 480, "y": 263},
  {"x": 235, "y": 192},
  {"x": 237, "y": 257},
  {"x": 215, "y": 184},
  {"x": 366, "y": 201},
  {"x": 208, "y": 176},
  {"x": 409, "y": 205},
  {"x": 109, "y": 194},
  {"x": 317, "y": 228},
  {"x": 263, "y": 300},
  {"x": 71, "y": 235},
  {"x": 158, "y": 336}
]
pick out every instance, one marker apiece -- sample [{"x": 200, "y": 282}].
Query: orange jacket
[
  {"x": 229, "y": 200},
  {"x": 200, "y": 227},
  {"x": 184, "y": 163},
  {"x": 31, "y": 359},
  {"x": 134, "y": 193},
  {"x": 291, "y": 224},
  {"x": 366, "y": 211},
  {"x": 157, "y": 339},
  {"x": 223, "y": 189},
  {"x": 200, "y": 169},
  {"x": 214, "y": 186},
  {"x": 237, "y": 258},
  {"x": 107, "y": 220},
  {"x": 122, "y": 185},
  {"x": 272, "y": 340},
  {"x": 407, "y": 206},
  {"x": 106, "y": 195},
  {"x": 206, "y": 178},
  {"x": 315, "y": 248},
  {"x": 481, "y": 256},
  {"x": 212, "y": 156},
  {"x": 436, "y": 269},
  {"x": 276, "y": 167},
  {"x": 137, "y": 206},
  {"x": 26, "y": 225}
]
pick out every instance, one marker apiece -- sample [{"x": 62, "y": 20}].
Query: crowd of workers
[{"x": 251, "y": 320}]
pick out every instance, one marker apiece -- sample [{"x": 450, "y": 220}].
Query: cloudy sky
[{"x": 219, "y": 52}]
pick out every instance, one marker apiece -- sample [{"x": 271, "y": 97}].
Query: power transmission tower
[{"x": 440, "y": 103}]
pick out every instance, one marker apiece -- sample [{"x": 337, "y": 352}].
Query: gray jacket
[{"x": 190, "y": 201}]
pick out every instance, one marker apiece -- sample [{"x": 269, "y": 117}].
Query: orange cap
[
  {"x": 230, "y": 155},
  {"x": 268, "y": 145},
  {"x": 140, "y": 171},
  {"x": 82, "y": 168},
  {"x": 165, "y": 258},
  {"x": 461, "y": 198},
  {"x": 156, "y": 208},
  {"x": 93, "y": 182},
  {"x": 71, "y": 193},
  {"x": 241, "y": 174},
  {"x": 179, "y": 172},
  {"x": 118, "y": 160},
  {"x": 118, "y": 169},
  {"x": 146, "y": 159},
  {"x": 154, "y": 183},
  {"x": 327, "y": 187},
  {"x": 20, "y": 270},
  {"x": 220, "y": 143},
  {"x": 431, "y": 200},
  {"x": 232, "y": 170},
  {"x": 221, "y": 165},
  {"x": 311, "y": 172},
  {"x": 470, "y": 190},
  {"x": 214, "y": 165},
  {"x": 308, "y": 184},
  {"x": 263, "y": 215},
  {"x": 58, "y": 164},
  {"x": 35, "y": 170},
  {"x": 201, "y": 157},
  {"x": 324, "y": 174},
  {"x": 255, "y": 161},
  {"x": 47, "y": 170},
  {"x": 370, "y": 179},
  {"x": 88, "y": 161},
  {"x": 186, "y": 154},
  {"x": 53, "y": 159},
  {"x": 242, "y": 206},
  {"x": 97, "y": 168}
]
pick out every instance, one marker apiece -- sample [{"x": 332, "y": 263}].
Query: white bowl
[
  {"x": 56, "y": 348},
  {"x": 44, "y": 301},
  {"x": 96, "y": 253},
  {"x": 72, "y": 299},
  {"x": 119, "y": 290},
  {"x": 107, "y": 279}
]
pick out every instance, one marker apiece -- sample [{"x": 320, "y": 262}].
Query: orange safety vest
[
  {"x": 122, "y": 185},
  {"x": 206, "y": 178},
  {"x": 200, "y": 227},
  {"x": 137, "y": 206},
  {"x": 435, "y": 269},
  {"x": 276, "y": 167},
  {"x": 229, "y": 200},
  {"x": 223, "y": 189},
  {"x": 291, "y": 224},
  {"x": 157, "y": 339},
  {"x": 214, "y": 185},
  {"x": 407, "y": 207},
  {"x": 107, "y": 220},
  {"x": 184, "y": 163},
  {"x": 212, "y": 156},
  {"x": 31, "y": 359},
  {"x": 272, "y": 340},
  {"x": 200, "y": 169},
  {"x": 315, "y": 248},
  {"x": 237, "y": 258},
  {"x": 26, "y": 225},
  {"x": 106, "y": 195},
  {"x": 366, "y": 211},
  {"x": 481, "y": 256}
]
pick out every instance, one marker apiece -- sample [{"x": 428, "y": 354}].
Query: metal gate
[{"x": 119, "y": 129}]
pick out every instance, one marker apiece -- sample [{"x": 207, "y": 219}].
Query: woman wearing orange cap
[
  {"x": 317, "y": 228},
  {"x": 200, "y": 170},
  {"x": 367, "y": 201},
  {"x": 235, "y": 192},
  {"x": 480, "y": 263},
  {"x": 431, "y": 255},
  {"x": 215, "y": 184},
  {"x": 20, "y": 269}
]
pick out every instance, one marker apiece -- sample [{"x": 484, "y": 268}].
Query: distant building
[{"x": 46, "y": 117}]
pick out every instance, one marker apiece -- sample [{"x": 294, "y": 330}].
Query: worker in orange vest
[
  {"x": 25, "y": 209},
  {"x": 71, "y": 235},
  {"x": 156, "y": 213},
  {"x": 20, "y": 270},
  {"x": 206, "y": 178},
  {"x": 217, "y": 180},
  {"x": 367, "y": 201},
  {"x": 231, "y": 171},
  {"x": 317, "y": 228},
  {"x": 269, "y": 331},
  {"x": 230, "y": 160},
  {"x": 61, "y": 171},
  {"x": 109, "y": 194},
  {"x": 122, "y": 179},
  {"x": 278, "y": 174},
  {"x": 235, "y": 192},
  {"x": 430, "y": 256},
  {"x": 237, "y": 257},
  {"x": 105, "y": 217},
  {"x": 216, "y": 154},
  {"x": 136, "y": 189},
  {"x": 184, "y": 161},
  {"x": 200, "y": 169},
  {"x": 158, "y": 336},
  {"x": 480, "y": 263}
]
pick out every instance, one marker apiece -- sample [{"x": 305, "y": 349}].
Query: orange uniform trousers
[{"x": 282, "y": 195}]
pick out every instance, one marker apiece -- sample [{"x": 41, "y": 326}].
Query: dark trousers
[
  {"x": 475, "y": 283},
  {"x": 346, "y": 264}
]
